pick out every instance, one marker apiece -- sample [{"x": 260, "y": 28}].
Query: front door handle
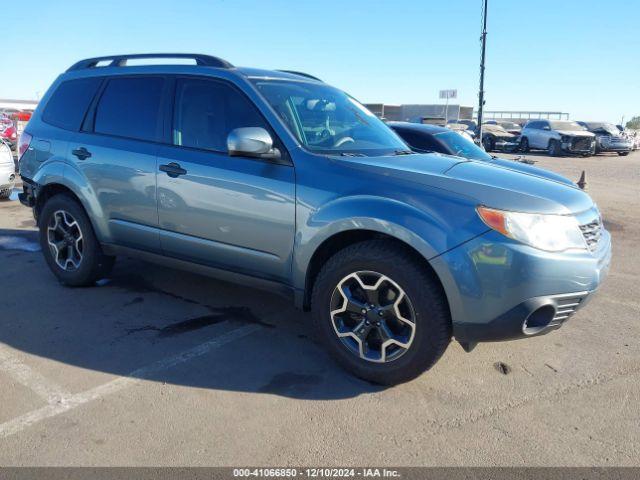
[
  {"x": 82, "y": 153},
  {"x": 173, "y": 169}
]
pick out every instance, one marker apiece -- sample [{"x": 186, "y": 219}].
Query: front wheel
[
  {"x": 380, "y": 312},
  {"x": 69, "y": 245},
  {"x": 488, "y": 144},
  {"x": 554, "y": 148},
  {"x": 623, "y": 154},
  {"x": 524, "y": 144}
]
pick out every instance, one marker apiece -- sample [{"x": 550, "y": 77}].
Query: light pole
[{"x": 483, "y": 39}]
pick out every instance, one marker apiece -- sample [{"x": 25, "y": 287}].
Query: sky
[{"x": 580, "y": 57}]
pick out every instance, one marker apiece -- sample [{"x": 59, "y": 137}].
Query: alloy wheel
[
  {"x": 65, "y": 240},
  {"x": 372, "y": 316}
]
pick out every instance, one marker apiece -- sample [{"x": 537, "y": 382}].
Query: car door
[
  {"x": 532, "y": 133},
  {"x": 544, "y": 134},
  {"x": 116, "y": 155},
  {"x": 234, "y": 213}
]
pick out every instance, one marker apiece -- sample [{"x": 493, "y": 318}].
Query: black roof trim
[
  {"x": 121, "y": 60},
  {"x": 300, "y": 74}
]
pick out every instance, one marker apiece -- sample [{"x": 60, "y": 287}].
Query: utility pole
[{"x": 483, "y": 39}]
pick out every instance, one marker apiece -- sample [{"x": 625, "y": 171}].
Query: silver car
[{"x": 557, "y": 137}]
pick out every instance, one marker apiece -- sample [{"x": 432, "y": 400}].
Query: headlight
[
  {"x": 552, "y": 233},
  {"x": 565, "y": 138}
]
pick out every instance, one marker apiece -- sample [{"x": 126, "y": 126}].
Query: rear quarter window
[
  {"x": 67, "y": 106},
  {"x": 130, "y": 107}
]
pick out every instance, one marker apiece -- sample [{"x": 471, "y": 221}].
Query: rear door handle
[
  {"x": 173, "y": 169},
  {"x": 82, "y": 153}
]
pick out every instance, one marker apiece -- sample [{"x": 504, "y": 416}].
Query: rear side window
[
  {"x": 206, "y": 111},
  {"x": 129, "y": 107},
  {"x": 69, "y": 103}
]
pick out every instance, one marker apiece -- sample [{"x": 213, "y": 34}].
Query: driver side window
[{"x": 206, "y": 111}]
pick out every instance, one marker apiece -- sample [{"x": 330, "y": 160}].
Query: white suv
[
  {"x": 7, "y": 171},
  {"x": 557, "y": 137}
]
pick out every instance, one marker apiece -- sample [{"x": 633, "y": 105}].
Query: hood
[
  {"x": 531, "y": 170},
  {"x": 487, "y": 183},
  {"x": 575, "y": 133}
]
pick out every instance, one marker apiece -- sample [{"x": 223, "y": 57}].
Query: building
[
  {"x": 18, "y": 104},
  {"x": 416, "y": 112}
]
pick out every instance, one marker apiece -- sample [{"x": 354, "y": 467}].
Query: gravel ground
[{"x": 158, "y": 367}]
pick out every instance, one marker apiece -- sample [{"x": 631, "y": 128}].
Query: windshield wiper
[
  {"x": 403, "y": 152},
  {"x": 352, "y": 154}
]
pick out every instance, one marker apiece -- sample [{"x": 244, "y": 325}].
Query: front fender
[{"x": 429, "y": 233}]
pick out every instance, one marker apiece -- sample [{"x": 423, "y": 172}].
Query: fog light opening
[{"x": 538, "y": 320}]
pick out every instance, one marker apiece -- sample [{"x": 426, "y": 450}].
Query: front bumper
[
  {"x": 615, "y": 147},
  {"x": 507, "y": 146},
  {"x": 499, "y": 289},
  {"x": 579, "y": 145}
]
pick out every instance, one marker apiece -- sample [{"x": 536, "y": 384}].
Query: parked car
[
  {"x": 608, "y": 138},
  {"x": 279, "y": 180},
  {"x": 471, "y": 125},
  {"x": 461, "y": 129},
  {"x": 9, "y": 134},
  {"x": 511, "y": 127},
  {"x": 433, "y": 139},
  {"x": 7, "y": 171},
  {"x": 557, "y": 137},
  {"x": 494, "y": 137}
]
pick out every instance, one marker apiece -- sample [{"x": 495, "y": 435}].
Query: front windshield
[
  {"x": 327, "y": 120},
  {"x": 571, "y": 126},
  {"x": 510, "y": 125},
  {"x": 462, "y": 146}
]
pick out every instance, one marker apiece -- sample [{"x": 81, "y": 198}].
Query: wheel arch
[
  {"x": 341, "y": 240},
  {"x": 50, "y": 186}
]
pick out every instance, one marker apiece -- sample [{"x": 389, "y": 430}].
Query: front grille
[
  {"x": 581, "y": 143},
  {"x": 566, "y": 305},
  {"x": 591, "y": 233}
]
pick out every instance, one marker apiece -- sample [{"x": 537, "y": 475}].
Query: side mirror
[
  {"x": 546, "y": 127},
  {"x": 251, "y": 142}
]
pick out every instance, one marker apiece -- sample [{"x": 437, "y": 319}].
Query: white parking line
[
  {"x": 43, "y": 387},
  {"x": 69, "y": 402}
]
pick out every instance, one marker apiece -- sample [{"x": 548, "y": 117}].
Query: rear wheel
[
  {"x": 69, "y": 244},
  {"x": 380, "y": 313},
  {"x": 524, "y": 144},
  {"x": 623, "y": 154}
]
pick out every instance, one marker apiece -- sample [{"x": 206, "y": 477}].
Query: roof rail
[
  {"x": 302, "y": 74},
  {"x": 121, "y": 60}
]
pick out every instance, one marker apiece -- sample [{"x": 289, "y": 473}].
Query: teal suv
[{"x": 277, "y": 180}]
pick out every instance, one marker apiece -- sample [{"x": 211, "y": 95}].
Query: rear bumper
[
  {"x": 28, "y": 195},
  {"x": 499, "y": 289}
]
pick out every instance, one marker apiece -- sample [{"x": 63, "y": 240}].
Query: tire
[
  {"x": 488, "y": 143},
  {"x": 524, "y": 144},
  {"x": 88, "y": 263},
  {"x": 623, "y": 154},
  {"x": 5, "y": 193},
  {"x": 423, "y": 301},
  {"x": 554, "y": 148}
]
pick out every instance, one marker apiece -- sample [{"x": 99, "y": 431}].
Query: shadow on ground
[{"x": 144, "y": 314}]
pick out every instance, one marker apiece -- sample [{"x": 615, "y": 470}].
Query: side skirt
[{"x": 278, "y": 288}]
